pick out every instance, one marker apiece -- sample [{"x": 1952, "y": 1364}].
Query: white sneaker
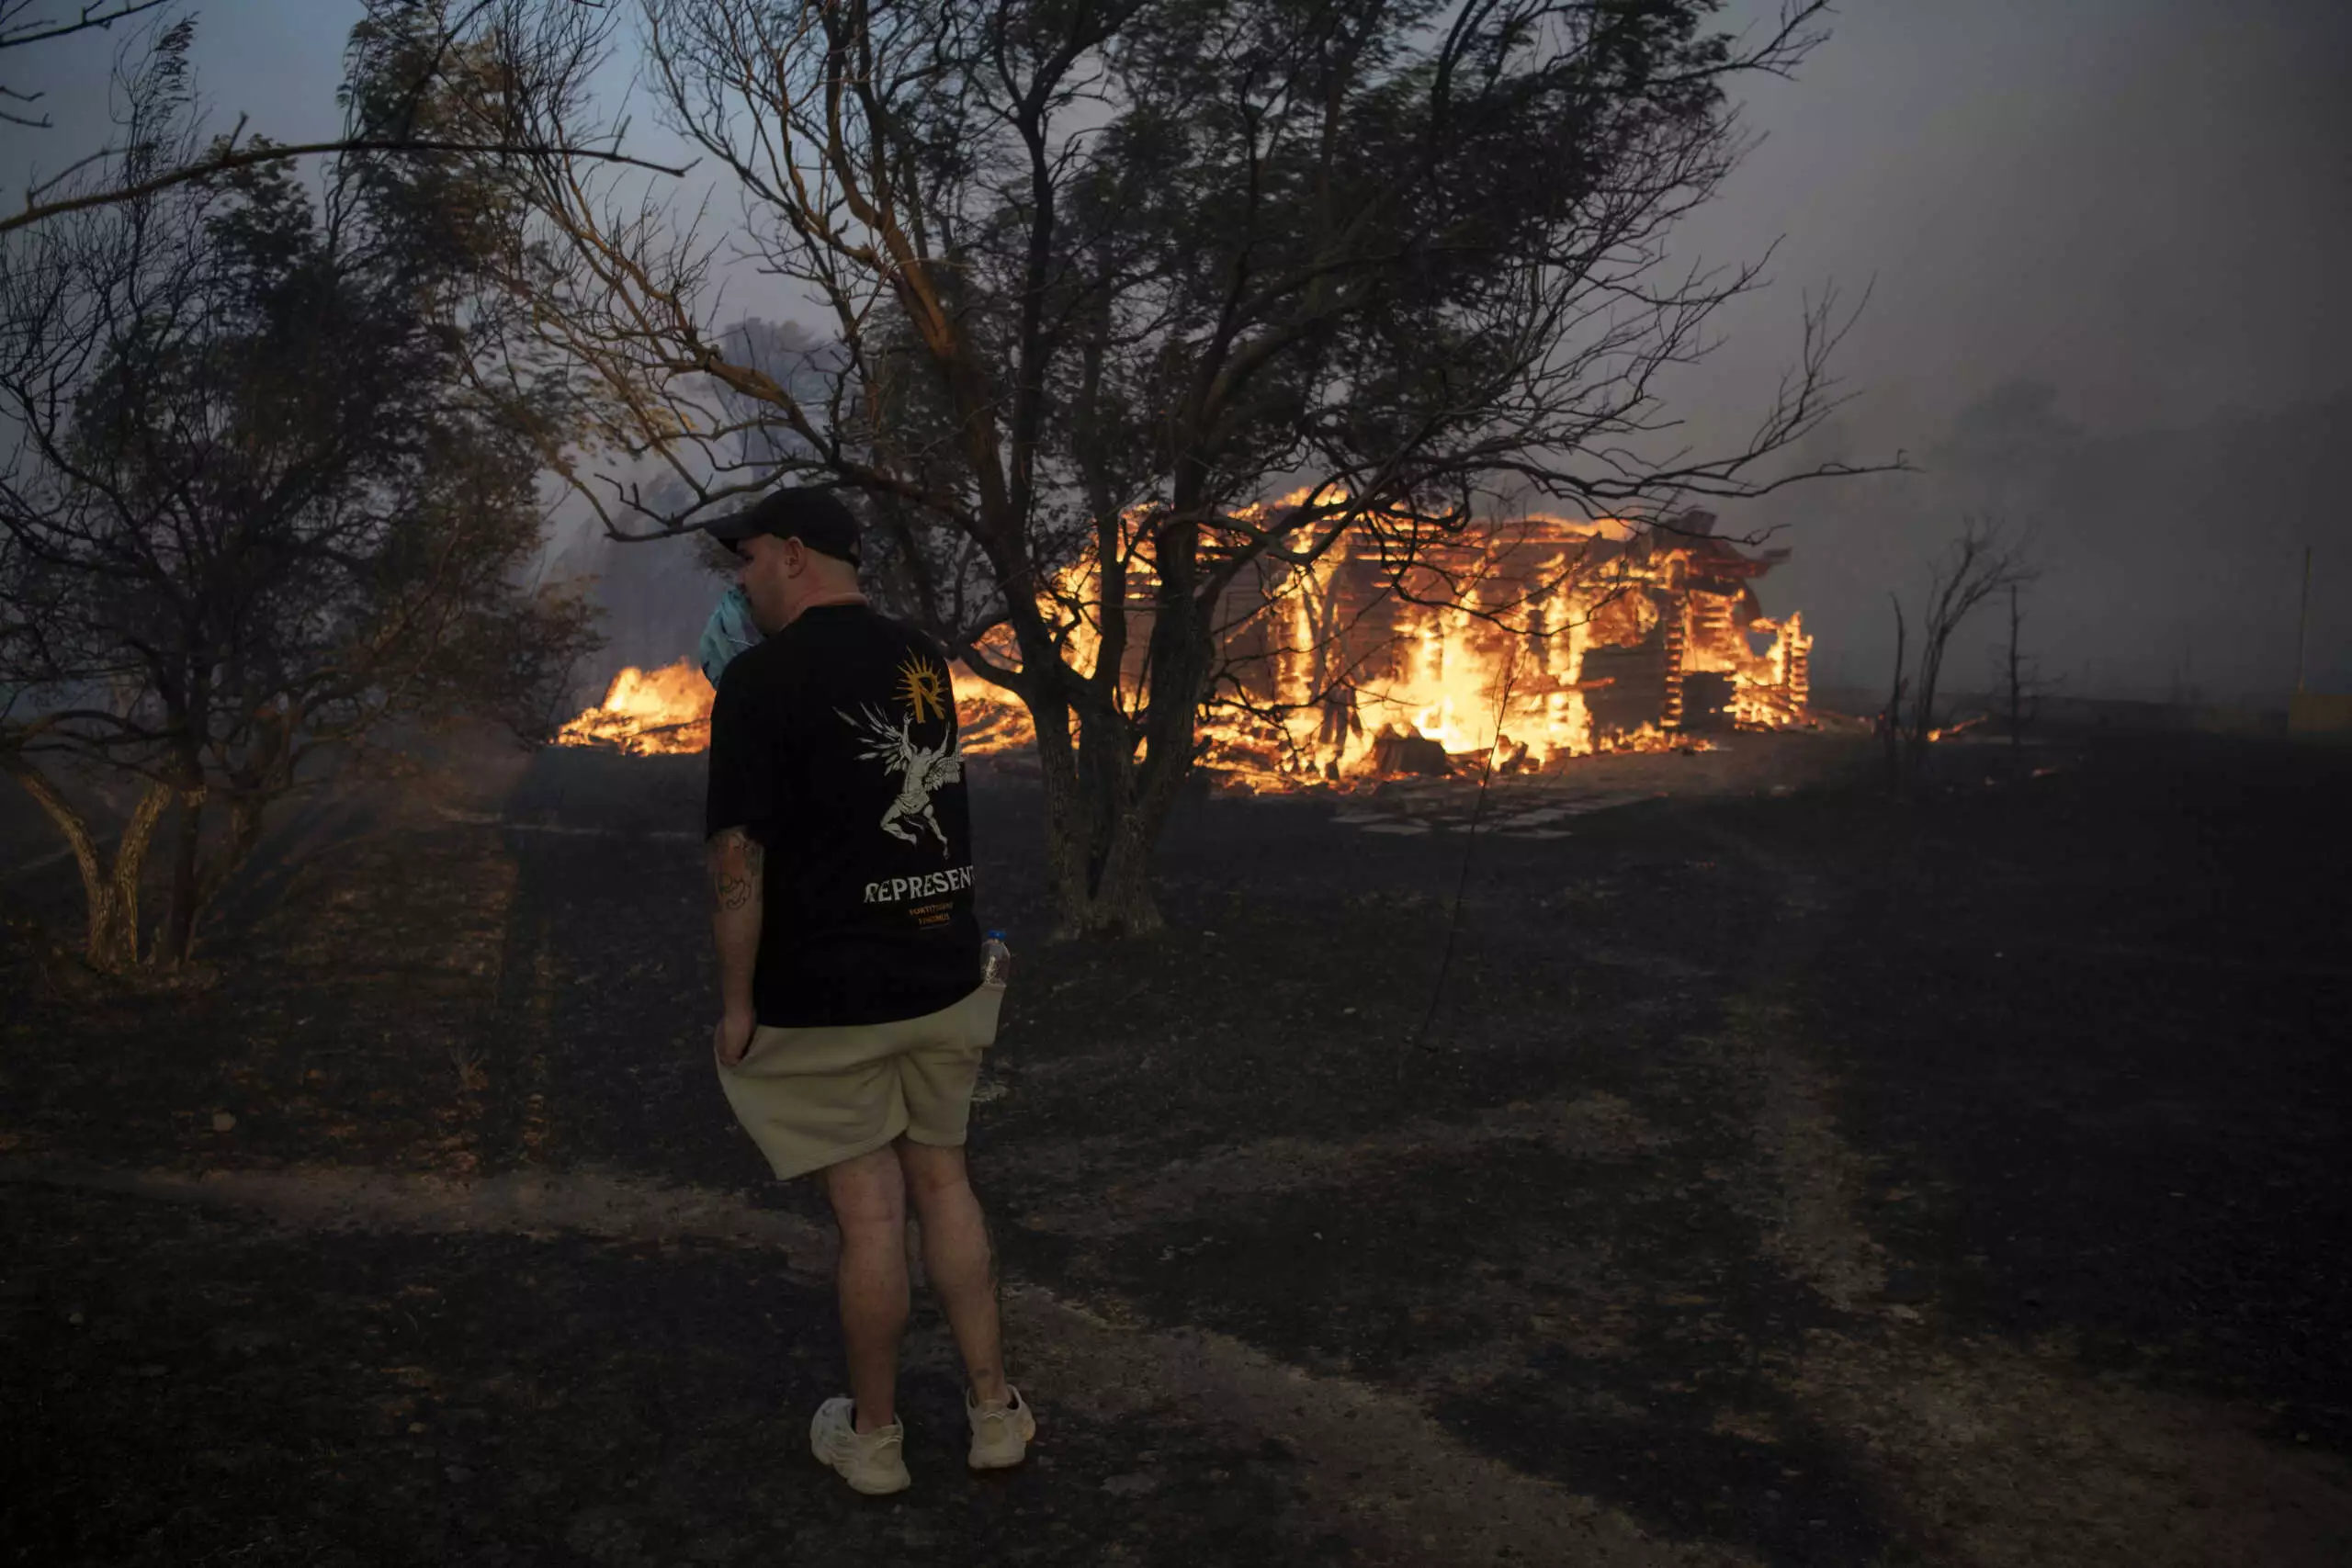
[
  {"x": 1001, "y": 1431},
  {"x": 871, "y": 1463}
]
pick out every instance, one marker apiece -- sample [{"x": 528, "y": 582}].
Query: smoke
[
  {"x": 2103, "y": 240},
  {"x": 656, "y": 595},
  {"x": 2136, "y": 206},
  {"x": 2171, "y": 558}
]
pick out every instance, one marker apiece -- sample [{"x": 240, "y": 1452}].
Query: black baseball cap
[{"x": 815, "y": 517}]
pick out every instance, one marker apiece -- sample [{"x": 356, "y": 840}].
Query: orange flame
[
  {"x": 1540, "y": 640},
  {"x": 647, "y": 712},
  {"x": 1489, "y": 653}
]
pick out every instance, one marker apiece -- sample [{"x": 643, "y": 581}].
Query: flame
[
  {"x": 987, "y": 723},
  {"x": 1329, "y": 661},
  {"x": 1526, "y": 643},
  {"x": 646, "y": 712},
  {"x": 1958, "y": 726},
  {"x": 667, "y": 710}
]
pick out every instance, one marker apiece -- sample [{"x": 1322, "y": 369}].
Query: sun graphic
[{"x": 922, "y": 687}]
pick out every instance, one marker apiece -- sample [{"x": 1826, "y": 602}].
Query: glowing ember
[
  {"x": 1959, "y": 727},
  {"x": 646, "y": 712}
]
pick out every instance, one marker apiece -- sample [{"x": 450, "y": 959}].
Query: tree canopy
[{"x": 252, "y": 511}]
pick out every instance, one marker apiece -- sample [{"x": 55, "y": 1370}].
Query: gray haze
[
  {"x": 2139, "y": 205},
  {"x": 2100, "y": 235}
]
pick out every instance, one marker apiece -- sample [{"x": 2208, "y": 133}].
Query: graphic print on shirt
[
  {"x": 922, "y": 687},
  {"x": 920, "y": 769}
]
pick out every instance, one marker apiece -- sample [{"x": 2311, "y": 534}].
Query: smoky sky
[
  {"x": 2116, "y": 230},
  {"x": 2123, "y": 221}
]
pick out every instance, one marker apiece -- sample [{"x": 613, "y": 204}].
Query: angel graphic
[{"x": 920, "y": 769}]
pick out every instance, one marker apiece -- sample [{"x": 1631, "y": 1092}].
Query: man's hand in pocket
[{"x": 733, "y": 1036}]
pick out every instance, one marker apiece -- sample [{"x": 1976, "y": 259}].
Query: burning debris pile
[
  {"x": 646, "y": 712},
  {"x": 1536, "y": 640},
  {"x": 652, "y": 712}
]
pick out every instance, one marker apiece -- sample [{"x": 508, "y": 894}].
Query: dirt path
[
  {"x": 1378, "y": 1471},
  {"x": 2004, "y": 1459}
]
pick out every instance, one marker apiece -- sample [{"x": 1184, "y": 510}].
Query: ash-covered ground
[{"x": 1783, "y": 1176}]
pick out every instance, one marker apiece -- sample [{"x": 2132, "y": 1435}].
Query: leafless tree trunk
[
  {"x": 179, "y": 923},
  {"x": 1984, "y": 562},
  {"x": 2021, "y": 673},
  {"x": 109, "y": 883},
  {"x": 2017, "y": 692},
  {"x": 1890, "y": 721}
]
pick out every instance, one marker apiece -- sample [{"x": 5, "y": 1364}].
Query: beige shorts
[{"x": 811, "y": 1097}]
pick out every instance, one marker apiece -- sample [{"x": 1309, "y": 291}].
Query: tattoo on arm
[{"x": 738, "y": 861}]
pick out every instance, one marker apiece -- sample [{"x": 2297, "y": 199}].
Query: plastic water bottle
[{"x": 996, "y": 961}]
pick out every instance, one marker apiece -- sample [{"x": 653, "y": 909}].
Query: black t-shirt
[{"x": 833, "y": 744}]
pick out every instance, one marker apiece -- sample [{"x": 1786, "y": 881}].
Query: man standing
[{"x": 839, "y": 843}]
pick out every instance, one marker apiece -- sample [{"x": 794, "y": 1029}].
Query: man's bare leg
[
  {"x": 869, "y": 1196},
  {"x": 957, "y": 1254}
]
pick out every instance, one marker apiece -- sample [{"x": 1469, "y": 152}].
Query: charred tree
[
  {"x": 2016, "y": 684},
  {"x": 2021, "y": 680},
  {"x": 1890, "y": 723},
  {"x": 1983, "y": 562}
]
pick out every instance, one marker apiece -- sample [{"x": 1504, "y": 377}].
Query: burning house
[
  {"x": 1545, "y": 638},
  {"x": 1539, "y": 638}
]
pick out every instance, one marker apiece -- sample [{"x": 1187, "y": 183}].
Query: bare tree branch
[
  {"x": 1985, "y": 561},
  {"x": 16, "y": 35},
  {"x": 226, "y": 157},
  {"x": 251, "y": 157}
]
